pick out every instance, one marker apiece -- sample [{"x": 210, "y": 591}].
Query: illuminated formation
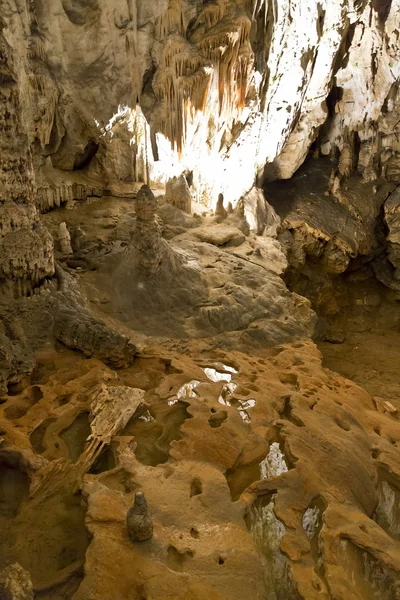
[{"x": 213, "y": 50}]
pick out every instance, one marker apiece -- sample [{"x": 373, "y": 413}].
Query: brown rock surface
[
  {"x": 15, "y": 583},
  {"x": 288, "y": 424}
]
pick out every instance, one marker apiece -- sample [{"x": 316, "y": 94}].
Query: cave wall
[{"x": 26, "y": 246}]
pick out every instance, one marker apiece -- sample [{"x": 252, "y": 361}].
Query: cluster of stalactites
[
  {"x": 172, "y": 21},
  {"x": 182, "y": 83},
  {"x": 43, "y": 95},
  {"x": 227, "y": 46},
  {"x": 218, "y": 40},
  {"x": 211, "y": 15},
  {"x": 256, "y": 6},
  {"x": 37, "y": 88}
]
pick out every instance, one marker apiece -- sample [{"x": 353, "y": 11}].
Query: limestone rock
[
  {"x": 170, "y": 68},
  {"x": 323, "y": 233},
  {"x": 64, "y": 238},
  {"x": 392, "y": 169},
  {"x": 178, "y": 194},
  {"x": 79, "y": 330},
  {"x": 57, "y": 188},
  {"x": 346, "y": 161},
  {"x": 392, "y": 218},
  {"x": 111, "y": 409},
  {"x": 145, "y": 204},
  {"x": 26, "y": 247},
  {"x": 27, "y": 258},
  {"x": 78, "y": 238},
  {"x": 15, "y": 583},
  {"x": 16, "y": 362},
  {"x": 146, "y": 238},
  {"x": 239, "y": 217},
  {"x": 138, "y": 520},
  {"x": 260, "y": 215},
  {"x": 200, "y": 287},
  {"x": 221, "y": 235},
  {"x": 384, "y": 406},
  {"x": 199, "y": 96}
]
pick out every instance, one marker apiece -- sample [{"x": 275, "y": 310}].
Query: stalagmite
[
  {"x": 64, "y": 238},
  {"x": 220, "y": 210},
  {"x": 146, "y": 238},
  {"x": 138, "y": 520}
]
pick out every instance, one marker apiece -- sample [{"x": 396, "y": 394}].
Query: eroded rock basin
[{"x": 242, "y": 508}]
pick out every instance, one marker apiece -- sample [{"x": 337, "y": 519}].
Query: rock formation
[
  {"x": 217, "y": 324},
  {"x": 220, "y": 211},
  {"x": 78, "y": 329},
  {"x": 178, "y": 194},
  {"x": 15, "y": 583},
  {"x": 138, "y": 520},
  {"x": 26, "y": 247},
  {"x": 64, "y": 239},
  {"x": 392, "y": 218},
  {"x": 16, "y": 362},
  {"x": 146, "y": 238}
]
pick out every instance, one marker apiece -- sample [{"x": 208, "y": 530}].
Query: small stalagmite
[
  {"x": 64, "y": 238},
  {"x": 138, "y": 520},
  {"x": 146, "y": 237},
  {"x": 220, "y": 210}
]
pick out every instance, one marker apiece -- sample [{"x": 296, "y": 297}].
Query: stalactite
[
  {"x": 172, "y": 20},
  {"x": 211, "y": 15},
  {"x": 256, "y": 6},
  {"x": 43, "y": 96},
  {"x": 182, "y": 80},
  {"x": 131, "y": 47},
  {"x": 220, "y": 41},
  {"x": 228, "y": 47},
  {"x": 26, "y": 247},
  {"x": 131, "y": 42},
  {"x": 36, "y": 49},
  {"x": 51, "y": 195}
]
